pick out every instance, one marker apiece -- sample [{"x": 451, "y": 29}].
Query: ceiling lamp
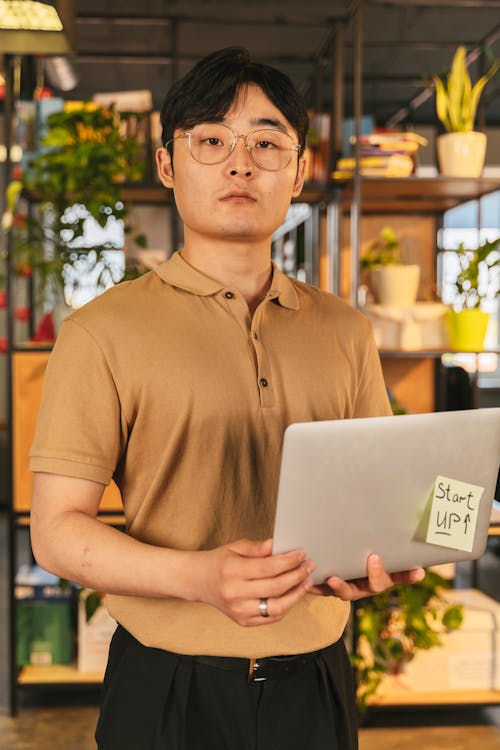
[{"x": 29, "y": 27}]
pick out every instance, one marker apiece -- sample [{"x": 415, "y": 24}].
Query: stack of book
[{"x": 387, "y": 154}]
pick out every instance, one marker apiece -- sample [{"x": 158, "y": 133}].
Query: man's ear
[
  {"x": 299, "y": 178},
  {"x": 164, "y": 167}
]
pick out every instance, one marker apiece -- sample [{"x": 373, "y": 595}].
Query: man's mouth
[{"x": 238, "y": 196}]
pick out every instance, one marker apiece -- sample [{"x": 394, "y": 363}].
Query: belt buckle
[{"x": 252, "y": 667}]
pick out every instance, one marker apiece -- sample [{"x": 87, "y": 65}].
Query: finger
[
  {"x": 271, "y": 564},
  {"x": 323, "y": 589},
  {"x": 252, "y": 548},
  {"x": 409, "y": 576},
  {"x": 269, "y": 567},
  {"x": 279, "y": 585},
  {"x": 276, "y": 607},
  {"x": 348, "y": 591},
  {"x": 378, "y": 579}
]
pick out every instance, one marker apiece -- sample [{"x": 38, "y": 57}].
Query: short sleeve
[
  {"x": 81, "y": 431},
  {"x": 371, "y": 398}
]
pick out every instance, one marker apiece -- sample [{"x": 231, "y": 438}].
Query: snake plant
[{"x": 457, "y": 98}]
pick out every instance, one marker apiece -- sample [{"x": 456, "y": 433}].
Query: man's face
[{"x": 235, "y": 199}]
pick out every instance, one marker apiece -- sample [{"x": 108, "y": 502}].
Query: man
[{"x": 179, "y": 386}]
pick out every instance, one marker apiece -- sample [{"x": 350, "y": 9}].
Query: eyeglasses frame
[{"x": 236, "y": 136}]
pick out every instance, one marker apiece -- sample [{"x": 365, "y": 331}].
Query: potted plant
[
  {"x": 392, "y": 626},
  {"x": 478, "y": 279},
  {"x": 79, "y": 172},
  {"x": 394, "y": 283},
  {"x": 461, "y": 149}
]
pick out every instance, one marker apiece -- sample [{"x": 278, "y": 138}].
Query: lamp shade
[{"x": 31, "y": 27}]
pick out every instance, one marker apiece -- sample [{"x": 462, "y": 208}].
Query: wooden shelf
[
  {"x": 418, "y": 194},
  {"x": 425, "y": 195},
  {"x": 151, "y": 193},
  {"x": 33, "y": 346},
  {"x": 157, "y": 194},
  {"x": 57, "y": 674},
  {"x": 436, "y": 698},
  {"x": 431, "y": 353}
]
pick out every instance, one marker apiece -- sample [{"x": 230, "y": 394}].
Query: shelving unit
[
  {"x": 411, "y": 196},
  {"x": 420, "y": 199},
  {"x": 421, "y": 196},
  {"x": 373, "y": 192},
  {"x": 28, "y": 364}
]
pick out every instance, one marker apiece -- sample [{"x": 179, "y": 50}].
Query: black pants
[{"x": 155, "y": 700}]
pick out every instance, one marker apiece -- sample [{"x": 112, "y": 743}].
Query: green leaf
[
  {"x": 453, "y": 617},
  {"x": 477, "y": 90},
  {"x": 395, "y": 648},
  {"x": 141, "y": 240},
  {"x": 92, "y": 603},
  {"x": 457, "y": 100},
  {"x": 455, "y": 87},
  {"x": 442, "y": 103}
]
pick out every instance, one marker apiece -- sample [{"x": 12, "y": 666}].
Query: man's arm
[{"x": 69, "y": 541}]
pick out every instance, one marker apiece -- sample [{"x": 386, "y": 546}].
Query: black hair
[{"x": 207, "y": 91}]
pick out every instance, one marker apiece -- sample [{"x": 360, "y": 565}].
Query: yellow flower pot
[{"x": 467, "y": 329}]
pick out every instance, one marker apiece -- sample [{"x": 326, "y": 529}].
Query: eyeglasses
[{"x": 212, "y": 143}]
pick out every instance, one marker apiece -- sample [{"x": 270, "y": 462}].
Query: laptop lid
[{"x": 416, "y": 489}]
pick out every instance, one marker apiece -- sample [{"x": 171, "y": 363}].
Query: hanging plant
[{"x": 79, "y": 173}]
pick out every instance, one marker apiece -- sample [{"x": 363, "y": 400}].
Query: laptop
[{"x": 416, "y": 489}]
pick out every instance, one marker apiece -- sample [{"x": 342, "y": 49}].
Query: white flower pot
[
  {"x": 461, "y": 154},
  {"x": 396, "y": 286}
]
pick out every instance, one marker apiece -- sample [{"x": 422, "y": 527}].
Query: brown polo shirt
[{"x": 170, "y": 387}]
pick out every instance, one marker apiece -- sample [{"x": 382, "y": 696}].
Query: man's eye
[
  {"x": 213, "y": 142},
  {"x": 265, "y": 145}
]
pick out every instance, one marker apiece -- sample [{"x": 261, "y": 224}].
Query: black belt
[{"x": 258, "y": 670}]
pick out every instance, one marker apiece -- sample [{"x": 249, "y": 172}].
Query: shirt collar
[{"x": 179, "y": 273}]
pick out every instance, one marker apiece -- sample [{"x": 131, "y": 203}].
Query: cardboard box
[
  {"x": 94, "y": 636},
  {"x": 421, "y": 326},
  {"x": 469, "y": 658}
]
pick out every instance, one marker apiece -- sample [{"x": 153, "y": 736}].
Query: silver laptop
[{"x": 416, "y": 489}]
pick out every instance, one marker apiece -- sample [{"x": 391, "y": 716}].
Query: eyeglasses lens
[{"x": 212, "y": 144}]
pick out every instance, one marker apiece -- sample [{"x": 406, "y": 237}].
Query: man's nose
[{"x": 240, "y": 160}]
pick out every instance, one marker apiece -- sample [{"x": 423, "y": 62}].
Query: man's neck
[{"x": 245, "y": 268}]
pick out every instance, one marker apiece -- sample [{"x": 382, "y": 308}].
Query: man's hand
[
  {"x": 235, "y": 577},
  {"x": 376, "y": 582}
]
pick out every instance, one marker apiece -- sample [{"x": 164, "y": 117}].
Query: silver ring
[{"x": 263, "y": 608}]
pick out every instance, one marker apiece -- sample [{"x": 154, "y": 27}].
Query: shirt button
[
  {"x": 228, "y": 295},
  {"x": 263, "y": 382},
  {"x": 254, "y": 334}
]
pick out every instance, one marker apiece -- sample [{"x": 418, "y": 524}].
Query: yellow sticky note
[{"x": 454, "y": 513}]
